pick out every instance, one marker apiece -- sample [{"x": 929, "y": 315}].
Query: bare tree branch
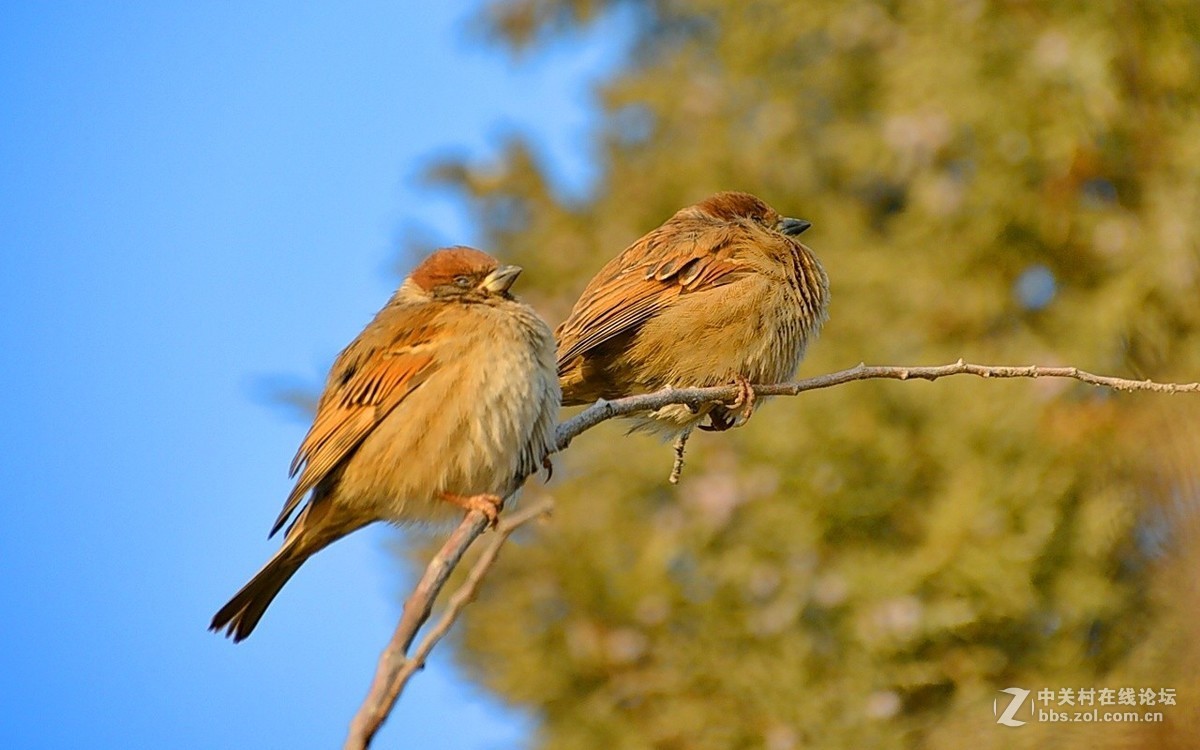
[
  {"x": 680, "y": 447},
  {"x": 384, "y": 689},
  {"x": 395, "y": 667},
  {"x": 602, "y": 411}
]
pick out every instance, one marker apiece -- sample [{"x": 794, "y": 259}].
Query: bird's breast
[{"x": 480, "y": 422}]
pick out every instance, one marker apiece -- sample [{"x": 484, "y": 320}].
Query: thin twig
[
  {"x": 466, "y": 593},
  {"x": 680, "y": 446},
  {"x": 395, "y": 668},
  {"x": 384, "y": 689},
  {"x": 602, "y": 411}
]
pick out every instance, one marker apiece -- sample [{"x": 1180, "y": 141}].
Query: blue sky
[{"x": 197, "y": 196}]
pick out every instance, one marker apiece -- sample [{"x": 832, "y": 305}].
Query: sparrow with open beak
[
  {"x": 447, "y": 400},
  {"x": 721, "y": 293}
]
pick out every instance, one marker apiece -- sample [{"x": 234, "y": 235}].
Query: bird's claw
[
  {"x": 737, "y": 412},
  {"x": 489, "y": 505},
  {"x": 718, "y": 420},
  {"x": 744, "y": 401}
]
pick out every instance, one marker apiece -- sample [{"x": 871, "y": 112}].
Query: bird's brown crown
[
  {"x": 444, "y": 266},
  {"x": 730, "y": 206}
]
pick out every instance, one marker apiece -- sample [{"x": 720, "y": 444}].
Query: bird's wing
[
  {"x": 368, "y": 380},
  {"x": 633, "y": 287}
]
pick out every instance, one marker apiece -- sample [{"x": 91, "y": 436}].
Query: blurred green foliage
[{"x": 1008, "y": 182}]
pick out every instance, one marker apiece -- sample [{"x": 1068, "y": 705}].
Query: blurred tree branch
[{"x": 396, "y": 667}]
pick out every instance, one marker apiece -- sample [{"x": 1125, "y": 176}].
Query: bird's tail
[
  {"x": 245, "y": 609},
  {"x": 320, "y": 524}
]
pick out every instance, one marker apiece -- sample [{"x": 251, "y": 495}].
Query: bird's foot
[
  {"x": 488, "y": 505},
  {"x": 737, "y": 412},
  {"x": 744, "y": 402},
  {"x": 718, "y": 420},
  {"x": 548, "y": 465}
]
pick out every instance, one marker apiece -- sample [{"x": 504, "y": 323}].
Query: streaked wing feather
[
  {"x": 351, "y": 410},
  {"x": 636, "y": 285}
]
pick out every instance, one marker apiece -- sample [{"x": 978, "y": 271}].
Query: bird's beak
[
  {"x": 793, "y": 227},
  {"x": 501, "y": 279}
]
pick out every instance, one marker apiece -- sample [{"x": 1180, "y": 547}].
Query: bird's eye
[{"x": 462, "y": 281}]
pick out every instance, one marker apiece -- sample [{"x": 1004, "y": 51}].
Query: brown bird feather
[
  {"x": 373, "y": 380},
  {"x": 447, "y": 397},
  {"x": 722, "y": 292}
]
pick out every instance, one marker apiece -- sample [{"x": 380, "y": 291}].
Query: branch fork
[{"x": 396, "y": 666}]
